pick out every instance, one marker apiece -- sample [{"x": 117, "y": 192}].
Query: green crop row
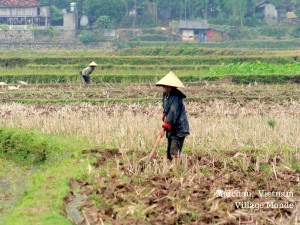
[
  {"x": 265, "y": 79},
  {"x": 122, "y": 67},
  {"x": 60, "y": 72},
  {"x": 236, "y": 78},
  {"x": 247, "y": 44},
  {"x": 146, "y": 60},
  {"x": 46, "y": 79},
  {"x": 259, "y": 68},
  {"x": 186, "y": 50}
]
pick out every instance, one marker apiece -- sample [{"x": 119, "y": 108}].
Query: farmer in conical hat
[
  {"x": 86, "y": 72},
  {"x": 175, "y": 122}
]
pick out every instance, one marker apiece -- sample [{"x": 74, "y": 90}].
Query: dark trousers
[
  {"x": 87, "y": 79},
  {"x": 174, "y": 147}
]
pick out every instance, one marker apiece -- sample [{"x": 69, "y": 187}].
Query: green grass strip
[
  {"x": 42, "y": 203},
  {"x": 11, "y": 62},
  {"x": 146, "y": 100}
]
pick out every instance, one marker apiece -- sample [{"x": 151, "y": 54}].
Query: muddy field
[{"x": 205, "y": 188}]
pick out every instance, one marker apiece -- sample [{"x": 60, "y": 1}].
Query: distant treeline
[{"x": 107, "y": 12}]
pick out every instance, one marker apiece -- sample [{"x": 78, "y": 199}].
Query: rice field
[
  {"x": 140, "y": 65},
  {"x": 244, "y": 119}
]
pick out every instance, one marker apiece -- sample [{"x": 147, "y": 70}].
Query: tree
[
  {"x": 87, "y": 37},
  {"x": 114, "y": 9},
  {"x": 56, "y": 15},
  {"x": 103, "y": 22},
  {"x": 237, "y": 9},
  {"x": 288, "y": 4},
  {"x": 57, "y": 3},
  {"x": 177, "y": 7},
  {"x": 251, "y": 6},
  {"x": 56, "y": 7}
]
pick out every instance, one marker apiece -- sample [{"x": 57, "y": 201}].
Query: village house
[
  {"x": 23, "y": 14},
  {"x": 199, "y": 31},
  {"x": 268, "y": 10},
  {"x": 291, "y": 18},
  {"x": 273, "y": 15}
]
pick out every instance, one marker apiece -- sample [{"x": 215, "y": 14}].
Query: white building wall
[
  {"x": 271, "y": 15},
  {"x": 188, "y": 35},
  {"x": 18, "y": 12},
  {"x": 44, "y": 11},
  {"x": 69, "y": 21}
]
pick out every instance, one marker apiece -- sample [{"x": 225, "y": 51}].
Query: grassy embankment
[{"x": 53, "y": 160}]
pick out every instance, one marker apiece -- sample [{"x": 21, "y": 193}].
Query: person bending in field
[
  {"x": 174, "y": 116},
  {"x": 86, "y": 72}
]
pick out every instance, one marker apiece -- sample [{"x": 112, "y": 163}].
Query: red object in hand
[
  {"x": 167, "y": 127},
  {"x": 163, "y": 117}
]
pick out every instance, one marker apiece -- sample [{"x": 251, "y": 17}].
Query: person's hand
[{"x": 162, "y": 132}]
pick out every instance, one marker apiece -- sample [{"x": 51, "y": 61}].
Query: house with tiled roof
[{"x": 23, "y": 14}]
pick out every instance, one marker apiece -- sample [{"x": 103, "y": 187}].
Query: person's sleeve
[
  {"x": 83, "y": 72},
  {"x": 163, "y": 116},
  {"x": 172, "y": 115}
]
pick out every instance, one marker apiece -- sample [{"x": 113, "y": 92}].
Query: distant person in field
[
  {"x": 86, "y": 72},
  {"x": 175, "y": 122}
]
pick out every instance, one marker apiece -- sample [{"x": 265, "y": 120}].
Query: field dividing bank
[
  {"x": 185, "y": 49},
  {"x": 197, "y": 69},
  {"x": 105, "y": 93},
  {"x": 145, "y": 60},
  {"x": 272, "y": 46},
  {"x": 72, "y": 78},
  {"x": 45, "y": 162}
]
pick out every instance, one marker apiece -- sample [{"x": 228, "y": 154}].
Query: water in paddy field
[{"x": 12, "y": 184}]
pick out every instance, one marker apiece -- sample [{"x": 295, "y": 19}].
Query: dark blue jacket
[{"x": 175, "y": 115}]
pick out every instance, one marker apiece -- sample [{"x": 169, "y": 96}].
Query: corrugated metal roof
[
  {"x": 291, "y": 15},
  {"x": 18, "y": 3},
  {"x": 193, "y": 24}
]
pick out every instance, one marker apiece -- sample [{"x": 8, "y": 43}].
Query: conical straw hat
[
  {"x": 93, "y": 64},
  {"x": 170, "y": 80}
]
